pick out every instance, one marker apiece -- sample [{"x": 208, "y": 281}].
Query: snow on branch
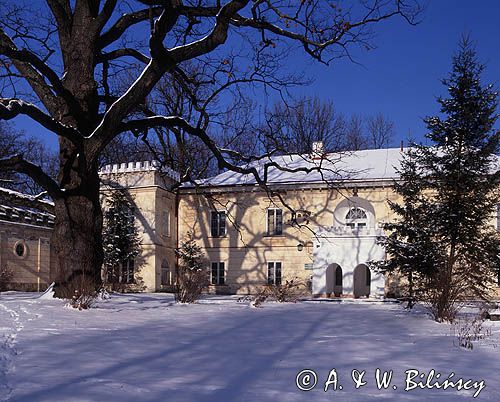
[
  {"x": 223, "y": 155},
  {"x": 11, "y": 108},
  {"x": 17, "y": 163}
]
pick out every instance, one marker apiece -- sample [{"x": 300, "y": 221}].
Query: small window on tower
[{"x": 166, "y": 223}]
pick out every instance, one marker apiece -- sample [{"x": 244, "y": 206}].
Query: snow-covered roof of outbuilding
[
  {"x": 11, "y": 212},
  {"x": 365, "y": 165}
]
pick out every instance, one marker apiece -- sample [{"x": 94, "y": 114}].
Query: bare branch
[
  {"x": 125, "y": 22},
  {"x": 10, "y": 108},
  {"x": 106, "y": 13},
  {"x": 32, "y": 76},
  {"x": 124, "y": 52},
  {"x": 220, "y": 153},
  {"x": 61, "y": 9},
  {"x": 17, "y": 163}
]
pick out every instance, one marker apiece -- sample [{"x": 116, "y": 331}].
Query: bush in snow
[
  {"x": 81, "y": 292},
  {"x": 192, "y": 273},
  {"x": 288, "y": 292},
  {"x": 467, "y": 331},
  {"x": 6, "y": 276}
]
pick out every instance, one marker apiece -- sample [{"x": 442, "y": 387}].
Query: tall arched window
[{"x": 356, "y": 218}]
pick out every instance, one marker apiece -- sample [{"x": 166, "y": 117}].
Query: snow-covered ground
[{"x": 145, "y": 348}]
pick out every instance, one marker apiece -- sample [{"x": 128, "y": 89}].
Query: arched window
[{"x": 356, "y": 218}]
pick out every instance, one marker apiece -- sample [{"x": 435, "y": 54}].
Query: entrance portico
[{"x": 343, "y": 251}]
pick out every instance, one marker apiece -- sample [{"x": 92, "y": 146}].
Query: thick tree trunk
[{"x": 77, "y": 235}]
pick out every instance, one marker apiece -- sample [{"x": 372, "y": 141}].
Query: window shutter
[
  {"x": 277, "y": 274},
  {"x": 222, "y": 223},
  {"x": 270, "y": 221},
  {"x": 279, "y": 222},
  {"x": 221, "y": 273},
  {"x": 270, "y": 273},
  {"x": 214, "y": 224},
  {"x": 214, "y": 273}
]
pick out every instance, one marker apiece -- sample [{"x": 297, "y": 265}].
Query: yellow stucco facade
[{"x": 319, "y": 242}]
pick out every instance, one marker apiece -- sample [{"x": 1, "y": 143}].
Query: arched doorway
[
  {"x": 333, "y": 280},
  {"x": 337, "y": 283},
  {"x": 362, "y": 280}
]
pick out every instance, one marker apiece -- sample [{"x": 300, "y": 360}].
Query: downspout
[
  {"x": 176, "y": 235},
  {"x": 39, "y": 263}
]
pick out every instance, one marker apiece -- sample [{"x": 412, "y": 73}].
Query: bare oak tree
[
  {"x": 85, "y": 70},
  {"x": 380, "y": 131},
  {"x": 294, "y": 127}
]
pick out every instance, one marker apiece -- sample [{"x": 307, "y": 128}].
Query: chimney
[{"x": 401, "y": 145}]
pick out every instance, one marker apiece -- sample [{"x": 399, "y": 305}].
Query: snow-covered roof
[
  {"x": 365, "y": 165},
  {"x": 22, "y": 214},
  {"x": 351, "y": 166},
  {"x": 27, "y": 197}
]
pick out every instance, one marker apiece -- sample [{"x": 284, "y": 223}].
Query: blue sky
[{"x": 401, "y": 77}]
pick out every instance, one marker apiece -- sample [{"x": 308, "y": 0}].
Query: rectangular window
[
  {"x": 274, "y": 222},
  {"x": 274, "y": 273},
  {"x": 127, "y": 274},
  {"x": 218, "y": 223},
  {"x": 217, "y": 276}
]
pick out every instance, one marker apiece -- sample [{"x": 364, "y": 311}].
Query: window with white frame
[
  {"x": 218, "y": 223},
  {"x": 274, "y": 222},
  {"x": 356, "y": 218},
  {"x": 217, "y": 274},
  {"x": 127, "y": 271},
  {"x": 274, "y": 273},
  {"x": 165, "y": 273}
]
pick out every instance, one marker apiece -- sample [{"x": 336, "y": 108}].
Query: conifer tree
[
  {"x": 409, "y": 242},
  {"x": 121, "y": 239},
  {"x": 192, "y": 272},
  {"x": 450, "y": 194}
]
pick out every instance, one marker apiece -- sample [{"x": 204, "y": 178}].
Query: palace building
[{"x": 319, "y": 227}]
